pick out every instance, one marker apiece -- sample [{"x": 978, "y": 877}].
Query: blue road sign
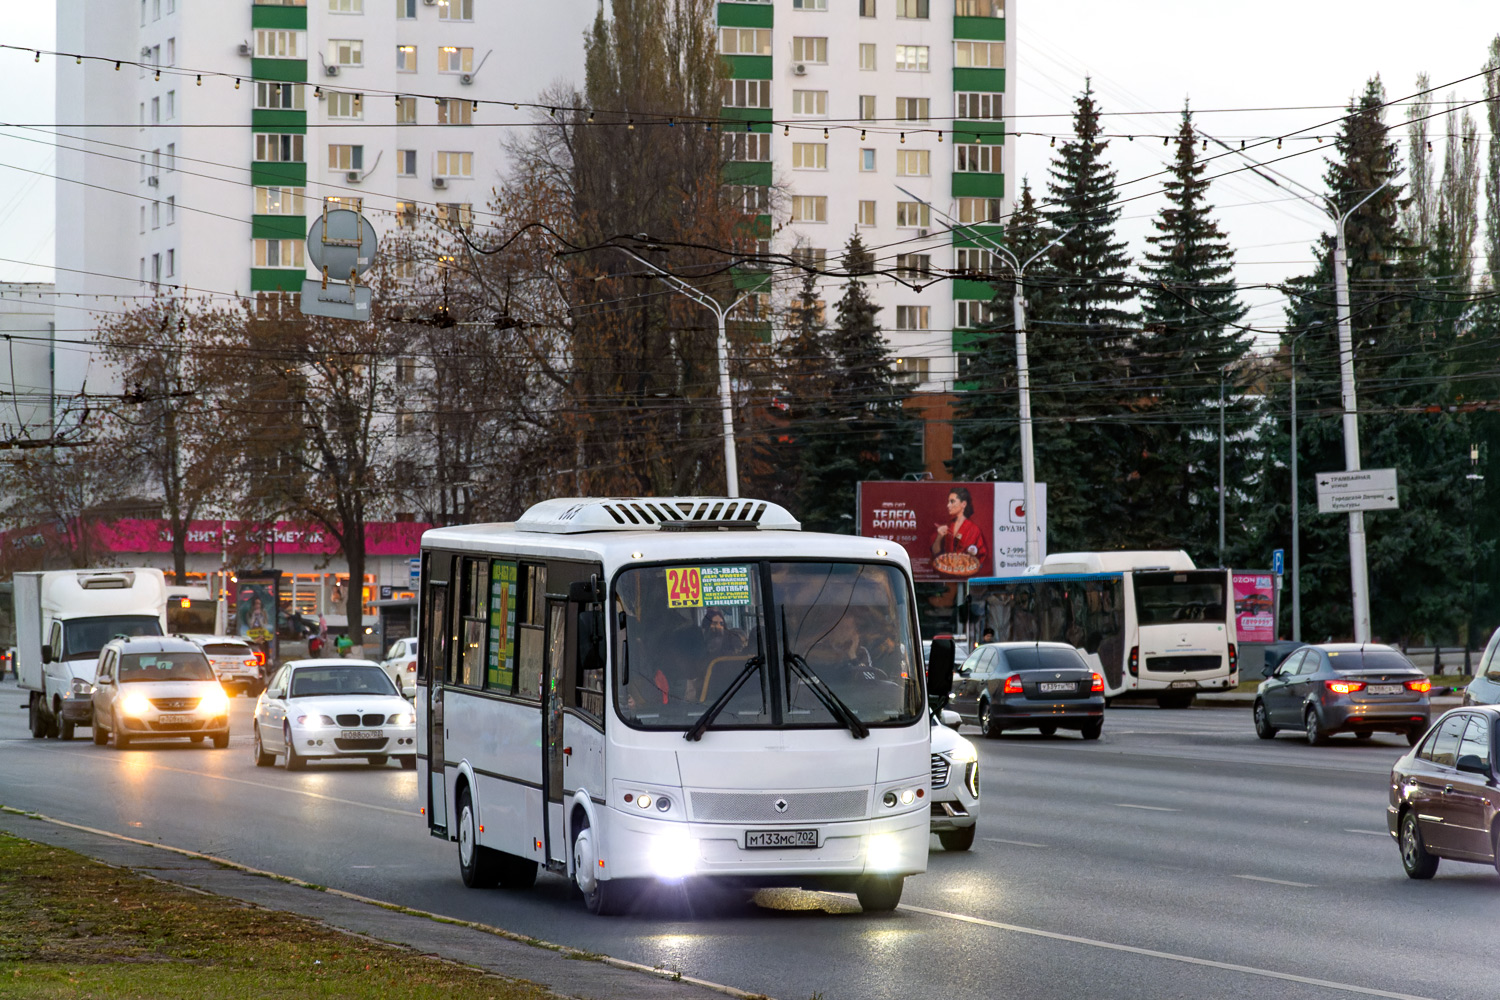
[
  {"x": 415, "y": 564},
  {"x": 1278, "y": 561}
]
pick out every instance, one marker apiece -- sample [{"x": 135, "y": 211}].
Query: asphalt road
[{"x": 1177, "y": 857}]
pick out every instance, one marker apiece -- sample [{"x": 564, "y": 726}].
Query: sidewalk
[{"x": 492, "y": 949}]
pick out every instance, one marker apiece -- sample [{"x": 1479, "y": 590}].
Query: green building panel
[
  {"x": 978, "y": 185},
  {"x": 981, "y": 80},
  {"x": 749, "y": 67},
  {"x": 282, "y": 70},
  {"x": 986, "y": 133},
  {"x": 268, "y": 16},
  {"x": 267, "y": 120},
  {"x": 276, "y": 279},
  {"x": 278, "y": 174},
  {"x": 743, "y": 172},
  {"x": 760, "y": 118},
  {"x": 748, "y": 15},
  {"x": 752, "y": 281},
  {"x": 964, "y": 288},
  {"x": 989, "y": 29},
  {"x": 977, "y": 236},
  {"x": 965, "y": 341},
  {"x": 278, "y": 227}
]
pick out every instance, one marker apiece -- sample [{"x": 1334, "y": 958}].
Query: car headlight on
[
  {"x": 883, "y": 852},
  {"x": 673, "y": 855},
  {"x": 135, "y": 705},
  {"x": 314, "y": 720},
  {"x": 400, "y": 719},
  {"x": 963, "y": 753},
  {"x": 216, "y": 702},
  {"x": 971, "y": 777}
]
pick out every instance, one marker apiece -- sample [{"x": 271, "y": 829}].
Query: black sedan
[
  {"x": 1484, "y": 689},
  {"x": 1444, "y": 802},
  {"x": 1342, "y": 687},
  {"x": 1029, "y": 685}
]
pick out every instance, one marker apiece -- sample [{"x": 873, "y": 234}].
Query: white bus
[
  {"x": 1150, "y": 622},
  {"x": 632, "y": 691}
]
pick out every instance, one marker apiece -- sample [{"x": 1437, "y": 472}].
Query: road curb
[{"x": 672, "y": 983}]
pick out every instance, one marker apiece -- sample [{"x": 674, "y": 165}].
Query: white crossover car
[
  {"x": 955, "y": 785},
  {"x": 157, "y": 687},
  {"x": 333, "y": 708},
  {"x": 233, "y": 660},
  {"x": 401, "y": 664}
]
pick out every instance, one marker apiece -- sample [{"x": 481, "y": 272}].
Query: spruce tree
[
  {"x": 1187, "y": 359},
  {"x": 857, "y": 430}
]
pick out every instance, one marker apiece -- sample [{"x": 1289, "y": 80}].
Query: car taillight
[
  {"x": 1344, "y": 687},
  {"x": 1421, "y": 687},
  {"x": 260, "y": 658},
  {"x": 1135, "y": 661},
  {"x": 251, "y": 662},
  {"x": 411, "y": 667},
  {"x": 1234, "y": 658},
  {"x": 1012, "y": 685},
  {"x": 1098, "y": 684}
]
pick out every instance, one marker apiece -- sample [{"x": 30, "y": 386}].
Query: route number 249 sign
[{"x": 684, "y": 587}]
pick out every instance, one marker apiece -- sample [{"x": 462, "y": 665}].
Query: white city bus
[
  {"x": 631, "y": 691},
  {"x": 1150, "y": 622}
]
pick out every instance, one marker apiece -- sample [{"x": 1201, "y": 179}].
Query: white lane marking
[
  {"x": 1248, "y": 970},
  {"x": 1018, "y": 843},
  {"x": 1158, "y": 809},
  {"x": 1372, "y": 833},
  {"x": 1276, "y": 881}
]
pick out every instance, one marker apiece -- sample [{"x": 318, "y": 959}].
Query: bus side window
[
  {"x": 434, "y": 613},
  {"x": 531, "y": 630}
]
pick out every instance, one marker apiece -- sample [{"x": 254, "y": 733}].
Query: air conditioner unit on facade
[
  {"x": 354, "y": 177},
  {"x": 921, "y": 232},
  {"x": 799, "y": 69},
  {"x": 440, "y": 182},
  {"x": 153, "y": 181},
  {"x": 430, "y": 3},
  {"x": 245, "y": 49},
  {"x": 466, "y": 78},
  {"x": 330, "y": 70}
]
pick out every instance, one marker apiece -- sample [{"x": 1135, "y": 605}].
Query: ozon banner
[
  {"x": 951, "y": 531},
  {"x": 1254, "y": 606}
]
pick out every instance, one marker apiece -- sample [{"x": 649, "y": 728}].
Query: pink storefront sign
[{"x": 384, "y": 538}]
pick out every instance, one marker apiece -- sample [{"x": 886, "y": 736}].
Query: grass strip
[{"x": 77, "y": 928}]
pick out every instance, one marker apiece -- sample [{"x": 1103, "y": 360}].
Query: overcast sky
[{"x": 1308, "y": 56}]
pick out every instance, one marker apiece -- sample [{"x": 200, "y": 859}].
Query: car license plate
[
  {"x": 361, "y": 734},
  {"x": 1183, "y": 684},
  {"x": 1384, "y": 689},
  {"x": 167, "y": 720},
  {"x": 781, "y": 838},
  {"x": 1048, "y": 687}
]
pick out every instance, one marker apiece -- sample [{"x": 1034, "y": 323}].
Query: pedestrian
[
  {"x": 343, "y": 644},
  {"x": 989, "y": 635}
]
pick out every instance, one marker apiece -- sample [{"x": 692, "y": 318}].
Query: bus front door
[
  {"x": 552, "y": 736},
  {"x": 437, "y": 664}
]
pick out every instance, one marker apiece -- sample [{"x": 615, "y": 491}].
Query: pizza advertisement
[{"x": 947, "y": 529}]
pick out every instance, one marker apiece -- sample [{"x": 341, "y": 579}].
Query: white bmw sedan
[{"x": 333, "y": 708}]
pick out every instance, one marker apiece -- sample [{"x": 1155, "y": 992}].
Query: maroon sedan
[{"x": 1444, "y": 800}]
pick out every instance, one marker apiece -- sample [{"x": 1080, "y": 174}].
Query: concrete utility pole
[
  {"x": 1023, "y": 372},
  {"x": 726, "y": 400}
]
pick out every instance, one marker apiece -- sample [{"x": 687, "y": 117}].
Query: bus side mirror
[
  {"x": 590, "y": 640},
  {"x": 46, "y": 652},
  {"x": 584, "y": 592},
  {"x": 940, "y": 673}
]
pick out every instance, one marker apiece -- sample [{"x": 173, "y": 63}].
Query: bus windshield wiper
[
  {"x": 706, "y": 719},
  {"x": 835, "y": 705}
]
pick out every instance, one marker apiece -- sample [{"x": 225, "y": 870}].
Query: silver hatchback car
[{"x": 157, "y": 687}]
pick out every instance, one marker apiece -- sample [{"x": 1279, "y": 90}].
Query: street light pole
[
  {"x": 726, "y": 399},
  {"x": 1296, "y": 530},
  {"x": 1221, "y": 466}
]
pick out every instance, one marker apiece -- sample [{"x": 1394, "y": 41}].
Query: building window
[
  {"x": 911, "y": 8},
  {"x": 977, "y": 159},
  {"x": 171, "y": 104},
  {"x": 867, "y": 213},
  {"x": 809, "y": 4},
  {"x": 972, "y": 210},
  {"x": 171, "y": 156},
  {"x": 866, "y": 8},
  {"x": 156, "y": 268},
  {"x": 909, "y": 371},
  {"x": 913, "y": 109},
  {"x": 156, "y": 215},
  {"x": 913, "y": 163},
  {"x": 278, "y": 201},
  {"x": 914, "y": 265},
  {"x": 810, "y": 50},
  {"x": 913, "y": 215},
  {"x": 747, "y": 93},
  {"x": 866, "y": 160},
  {"x": 745, "y": 41},
  {"x": 752, "y": 199},
  {"x": 406, "y": 214},
  {"x": 345, "y": 105},
  {"x": 972, "y": 260},
  {"x": 452, "y": 59},
  {"x": 346, "y": 51},
  {"x": 455, "y": 111},
  {"x": 809, "y": 156},
  {"x": 809, "y": 208},
  {"x": 406, "y": 370},
  {"x": 977, "y": 106},
  {"x": 813, "y": 257},
  {"x": 406, "y": 10},
  {"x": 866, "y": 107},
  {"x": 171, "y": 263},
  {"x": 156, "y": 111},
  {"x": 867, "y": 55},
  {"x": 406, "y": 163},
  {"x": 345, "y": 157},
  {"x": 989, "y": 54},
  {"x": 171, "y": 52},
  {"x": 749, "y": 146},
  {"x": 453, "y": 164},
  {"x": 348, "y": 202},
  {"x": 455, "y": 10},
  {"x": 911, "y": 58},
  {"x": 280, "y": 96},
  {"x": 278, "y": 253},
  {"x": 143, "y": 220},
  {"x": 346, "y": 6},
  {"x": 810, "y": 102},
  {"x": 406, "y": 111},
  {"x": 969, "y": 313},
  {"x": 914, "y": 317},
  {"x": 171, "y": 209},
  {"x": 979, "y": 8},
  {"x": 275, "y": 148},
  {"x": 270, "y": 44},
  {"x": 406, "y": 59},
  {"x": 455, "y": 215}
]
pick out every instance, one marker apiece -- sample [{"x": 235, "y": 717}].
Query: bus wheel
[
  {"x": 879, "y": 893},
  {"x": 604, "y": 898},
  {"x": 476, "y": 864}
]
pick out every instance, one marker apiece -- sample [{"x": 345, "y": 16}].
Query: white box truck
[{"x": 63, "y": 619}]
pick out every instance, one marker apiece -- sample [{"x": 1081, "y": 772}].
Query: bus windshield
[
  {"x": 778, "y": 634},
  {"x": 1166, "y": 598}
]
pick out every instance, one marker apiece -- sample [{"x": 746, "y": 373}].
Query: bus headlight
[
  {"x": 673, "y": 855},
  {"x": 883, "y": 852}
]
